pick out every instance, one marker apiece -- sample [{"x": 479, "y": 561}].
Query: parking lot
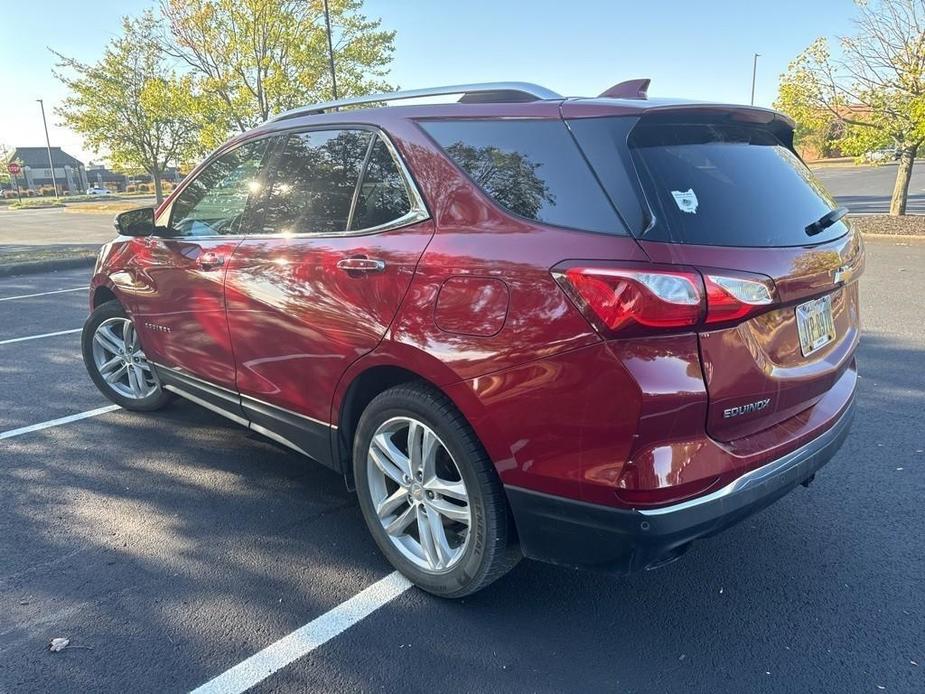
[{"x": 170, "y": 547}]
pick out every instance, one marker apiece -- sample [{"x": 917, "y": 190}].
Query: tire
[
  {"x": 109, "y": 320},
  {"x": 456, "y": 558}
]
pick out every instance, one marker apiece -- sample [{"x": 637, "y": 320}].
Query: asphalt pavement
[
  {"x": 169, "y": 547},
  {"x": 868, "y": 189}
]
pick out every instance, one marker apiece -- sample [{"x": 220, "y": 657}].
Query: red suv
[{"x": 585, "y": 331}]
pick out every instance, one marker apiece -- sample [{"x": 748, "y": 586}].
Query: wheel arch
[
  {"x": 101, "y": 294},
  {"x": 379, "y": 371}
]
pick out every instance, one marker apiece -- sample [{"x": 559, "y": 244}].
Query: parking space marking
[
  {"x": 38, "y": 337},
  {"x": 57, "y": 291},
  {"x": 57, "y": 422},
  {"x": 304, "y": 640}
]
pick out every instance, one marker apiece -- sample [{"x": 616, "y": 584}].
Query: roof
[
  {"x": 507, "y": 99},
  {"x": 37, "y": 157},
  {"x": 568, "y": 108}
]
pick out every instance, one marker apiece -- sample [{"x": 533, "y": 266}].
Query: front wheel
[
  {"x": 116, "y": 363},
  {"x": 429, "y": 493}
]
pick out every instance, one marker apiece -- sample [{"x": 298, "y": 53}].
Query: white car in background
[
  {"x": 880, "y": 156},
  {"x": 97, "y": 190}
]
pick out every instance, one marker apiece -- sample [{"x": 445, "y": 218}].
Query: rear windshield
[
  {"x": 727, "y": 185},
  {"x": 532, "y": 168}
]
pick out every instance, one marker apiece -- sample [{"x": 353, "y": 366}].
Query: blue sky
[{"x": 697, "y": 50}]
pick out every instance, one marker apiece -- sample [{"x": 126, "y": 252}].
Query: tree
[
  {"x": 5, "y": 155},
  {"x": 131, "y": 105},
  {"x": 874, "y": 89},
  {"x": 260, "y": 57}
]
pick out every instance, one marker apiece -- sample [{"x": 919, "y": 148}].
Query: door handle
[
  {"x": 361, "y": 265},
  {"x": 210, "y": 260}
]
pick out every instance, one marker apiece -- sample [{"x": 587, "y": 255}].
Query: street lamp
[
  {"x": 327, "y": 22},
  {"x": 48, "y": 145}
]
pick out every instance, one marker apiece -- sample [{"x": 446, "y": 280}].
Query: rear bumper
[{"x": 574, "y": 533}]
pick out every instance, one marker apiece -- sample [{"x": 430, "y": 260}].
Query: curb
[{"x": 32, "y": 267}]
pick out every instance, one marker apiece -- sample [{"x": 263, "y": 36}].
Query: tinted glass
[
  {"x": 215, "y": 201},
  {"x": 532, "y": 168},
  {"x": 383, "y": 196},
  {"x": 313, "y": 185},
  {"x": 727, "y": 185}
]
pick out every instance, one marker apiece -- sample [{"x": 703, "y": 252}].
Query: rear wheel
[
  {"x": 115, "y": 361},
  {"x": 429, "y": 494}
]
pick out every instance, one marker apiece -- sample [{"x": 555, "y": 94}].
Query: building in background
[
  {"x": 70, "y": 174},
  {"x": 101, "y": 177}
]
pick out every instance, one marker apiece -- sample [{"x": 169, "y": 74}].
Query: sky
[{"x": 695, "y": 50}]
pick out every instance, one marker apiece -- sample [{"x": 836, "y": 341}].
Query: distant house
[{"x": 70, "y": 174}]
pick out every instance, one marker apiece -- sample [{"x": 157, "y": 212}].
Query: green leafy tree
[
  {"x": 5, "y": 154},
  {"x": 131, "y": 105},
  {"x": 873, "y": 90},
  {"x": 260, "y": 57}
]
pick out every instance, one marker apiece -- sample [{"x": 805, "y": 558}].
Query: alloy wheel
[
  {"x": 418, "y": 494},
  {"x": 120, "y": 361}
]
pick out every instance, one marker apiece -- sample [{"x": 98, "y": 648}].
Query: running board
[{"x": 305, "y": 435}]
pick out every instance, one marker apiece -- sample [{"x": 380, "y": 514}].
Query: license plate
[{"x": 815, "y": 324}]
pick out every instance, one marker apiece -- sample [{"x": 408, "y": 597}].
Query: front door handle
[
  {"x": 210, "y": 260},
  {"x": 361, "y": 265}
]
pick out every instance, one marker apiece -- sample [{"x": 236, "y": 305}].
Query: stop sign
[{"x": 13, "y": 168}]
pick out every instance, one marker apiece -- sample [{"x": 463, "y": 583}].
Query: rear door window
[
  {"x": 532, "y": 168},
  {"x": 383, "y": 195},
  {"x": 727, "y": 185}
]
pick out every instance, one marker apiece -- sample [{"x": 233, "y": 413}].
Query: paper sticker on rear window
[{"x": 686, "y": 200}]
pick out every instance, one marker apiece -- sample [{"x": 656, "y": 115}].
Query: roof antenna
[{"x": 630, "y": 89}]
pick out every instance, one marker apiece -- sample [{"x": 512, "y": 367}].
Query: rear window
[
  {"x": 532, "y": 168},
  {"x": 727, "y": 185}
]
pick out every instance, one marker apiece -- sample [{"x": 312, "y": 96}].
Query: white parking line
[
  {"x": 304, "y": 640},
  {"x": 37, "y": 337},
  {"x": 57, "y": 422},
  {"x": 57, "y": 291}
]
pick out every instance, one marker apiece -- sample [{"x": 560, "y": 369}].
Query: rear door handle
[
  {"x": 210, "y": 260},
  {"x": 361, "y": 265}
]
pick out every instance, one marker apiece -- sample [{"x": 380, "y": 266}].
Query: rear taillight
[
  {"x": 735, "y": 298},
  {"x": 630, "y": 300},
  {"x": 626, "y": 300}
]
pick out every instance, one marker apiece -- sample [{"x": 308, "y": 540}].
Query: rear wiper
[{"x": 826, "y": 220}]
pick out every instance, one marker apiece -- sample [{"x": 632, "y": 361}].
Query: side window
[
  {"x": 383, "y": 196},
  {"x": 531, "y": 167},
  {"x": 314, "y": 182},
  {"x": 214, "y": 202}
]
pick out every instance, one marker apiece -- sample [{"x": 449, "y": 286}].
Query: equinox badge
[{"x": 745, "y": 409}]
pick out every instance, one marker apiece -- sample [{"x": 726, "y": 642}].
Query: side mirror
[{"x": 138, "y": 222}]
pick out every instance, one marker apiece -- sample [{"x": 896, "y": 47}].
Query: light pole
[
  {"x": 327, "y": 23},
  {"x": 48, "y": 144},
  {"x": 754, "y": 71}
]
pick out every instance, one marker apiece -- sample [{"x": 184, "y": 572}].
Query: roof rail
[{"x": 486, "y": 92}]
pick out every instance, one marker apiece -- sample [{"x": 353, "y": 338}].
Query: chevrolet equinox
[{"x": 587, "y": 331}]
